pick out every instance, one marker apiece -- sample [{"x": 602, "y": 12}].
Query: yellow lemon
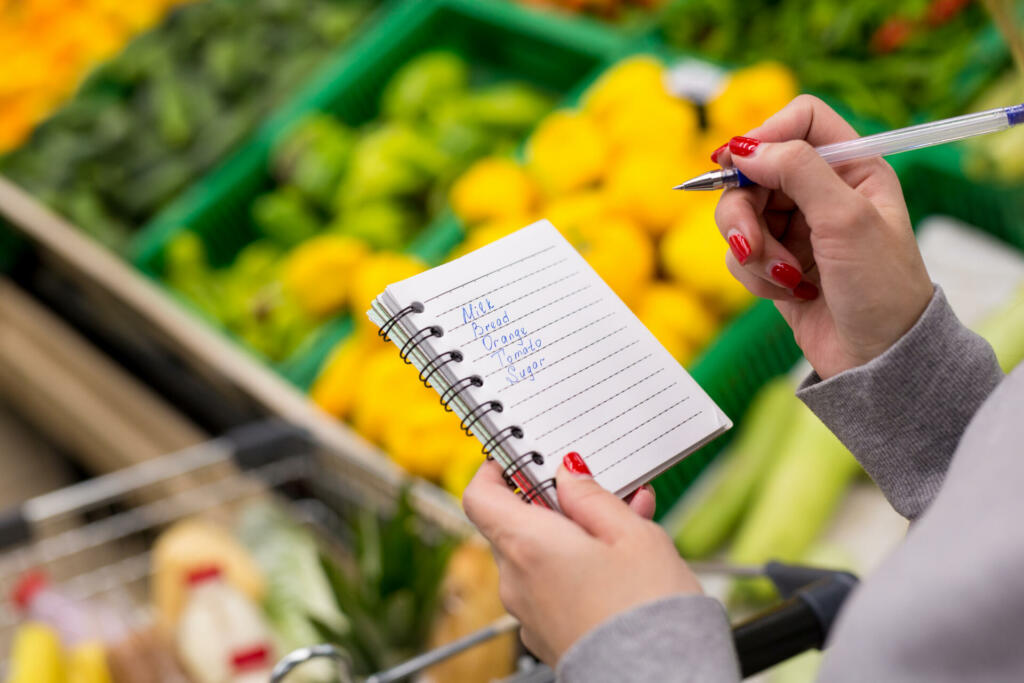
[
  {"x": 619, "y": 251},
  {"x": 571, "y": 212},
  {"x": 465, "y": 461},
  {"x": 421, "y": 440},
  {"x": 567, "y": 152},
  {"x": 373, "y": 274},
  {"x": 750, "y": 96},
  {"x": 486, "y": 233},
  {"x": 640, "y": 186},
  {"x": 694, "y": 255},
  {"x": 318, "y": 272},
  {"x": 631, "y": 78},
  {"x": 663, "y": 327},
  {"x": 698, "y": 209},
  {"x": 383, "y": 389},
  {"x": 682, "y": 312},
  {"x": 491, "y": 189},
  {"x": 662, "y": 125},
  {"x": 335, "y": 388}
]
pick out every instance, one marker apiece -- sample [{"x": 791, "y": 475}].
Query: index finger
[
  {"x": 490, "y": 505},
  {"x": 805, "y": 118}
]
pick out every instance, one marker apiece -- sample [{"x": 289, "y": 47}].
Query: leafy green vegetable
[
  {"x": 150, "y": 121},
  {"x": 390, "y": 595},
  {"x": 885, "y": 61}
]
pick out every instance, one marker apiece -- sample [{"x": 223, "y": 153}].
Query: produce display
[
  {"x": 47, "y": 47},
  {"x": 884, "y": 61},
  {"x": 603, "y": 175},
  {"x": 229, "y": 602},
  {"x": 147, "y": 123},
  {"x": 349, "y": 200}
]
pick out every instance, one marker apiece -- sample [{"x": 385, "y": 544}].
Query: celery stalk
[
  {"x": 795, "y": 503},
  {"x": 708, "y": 524}
]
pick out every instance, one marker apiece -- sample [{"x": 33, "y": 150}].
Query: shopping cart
[
  {"x": 811, "y": 600},
  {"x": 93, "y": 538}
]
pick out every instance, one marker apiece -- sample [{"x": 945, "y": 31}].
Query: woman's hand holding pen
[
  {"x": 563, "y": 575},
  {"x": 832, "y": 246}
]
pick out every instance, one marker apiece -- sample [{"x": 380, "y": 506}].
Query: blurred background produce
[
  {"x": 602, "y": 173},
  {"x": 47, "y": 47},
  {"x": 146, "y": 123},
  {"x": 885, "y": 61},
  {"x": 350, "y": 200}
]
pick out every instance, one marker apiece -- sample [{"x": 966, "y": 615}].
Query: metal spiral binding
[
  {"x": 389, "y": 324},
  {"x": 502, "y": 436},
  {"x": 418, "y": 338},
  {"x": 535, "y": 490},
  {"x": 457, "y": 388},
  {"x": 518, "y": 464},
  {"x": 473, "y": 416},
  {"x": 433, "y": 366}
]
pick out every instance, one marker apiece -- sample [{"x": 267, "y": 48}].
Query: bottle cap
[
  {"x": 251, "y": 658},
  {"x": 198, "y": 575},
  {"x": 27, "y": 586}
]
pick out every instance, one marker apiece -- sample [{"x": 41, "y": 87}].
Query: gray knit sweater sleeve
[
  {"x": 902, "y": 414},
  {"x": 684, "y": 639}
]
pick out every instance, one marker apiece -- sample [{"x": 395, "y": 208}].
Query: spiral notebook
[{"x": 539, "y": 357}]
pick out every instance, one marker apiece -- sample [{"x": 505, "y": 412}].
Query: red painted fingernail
[
  {"x": 574, "y": 463},
  {"x": 806, "y": 291},
  {"x": 786, "y": 275},
  {"x": 717, "y": 153},
  {"x": 744, "y": 147},
  {"x": 739, "y": 245}
]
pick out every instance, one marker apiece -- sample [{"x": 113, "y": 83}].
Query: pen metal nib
[{"x": 712, "y": 180}]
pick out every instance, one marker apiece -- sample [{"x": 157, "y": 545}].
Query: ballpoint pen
[{"x": 883, "y": 144}]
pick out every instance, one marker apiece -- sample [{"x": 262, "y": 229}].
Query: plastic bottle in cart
[
  {"x": 75, "y": 621},
  {"x": 222, "y": 636},
  {"x": 129, "y": 655}
]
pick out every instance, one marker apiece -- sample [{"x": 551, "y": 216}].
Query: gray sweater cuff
[
  {"x": 680, "y": 638},
  {"x": 903, "y": 413}
]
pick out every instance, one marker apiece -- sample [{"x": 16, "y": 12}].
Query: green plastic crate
[{"x": 501, "y": 40}]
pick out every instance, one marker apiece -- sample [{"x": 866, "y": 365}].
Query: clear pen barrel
[{"x": 916, "y": 137}]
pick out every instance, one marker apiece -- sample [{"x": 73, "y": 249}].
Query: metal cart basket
[{"x": 93, "y": 538}]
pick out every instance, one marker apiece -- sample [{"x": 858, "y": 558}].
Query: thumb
[
  {"x": 799, "y": 172},
  {"x": 600, "y": 512}
]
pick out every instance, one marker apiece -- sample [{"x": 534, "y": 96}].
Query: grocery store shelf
[
  {"x": 123, "y": 304},
  {"x": 87, "y": 404}
]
